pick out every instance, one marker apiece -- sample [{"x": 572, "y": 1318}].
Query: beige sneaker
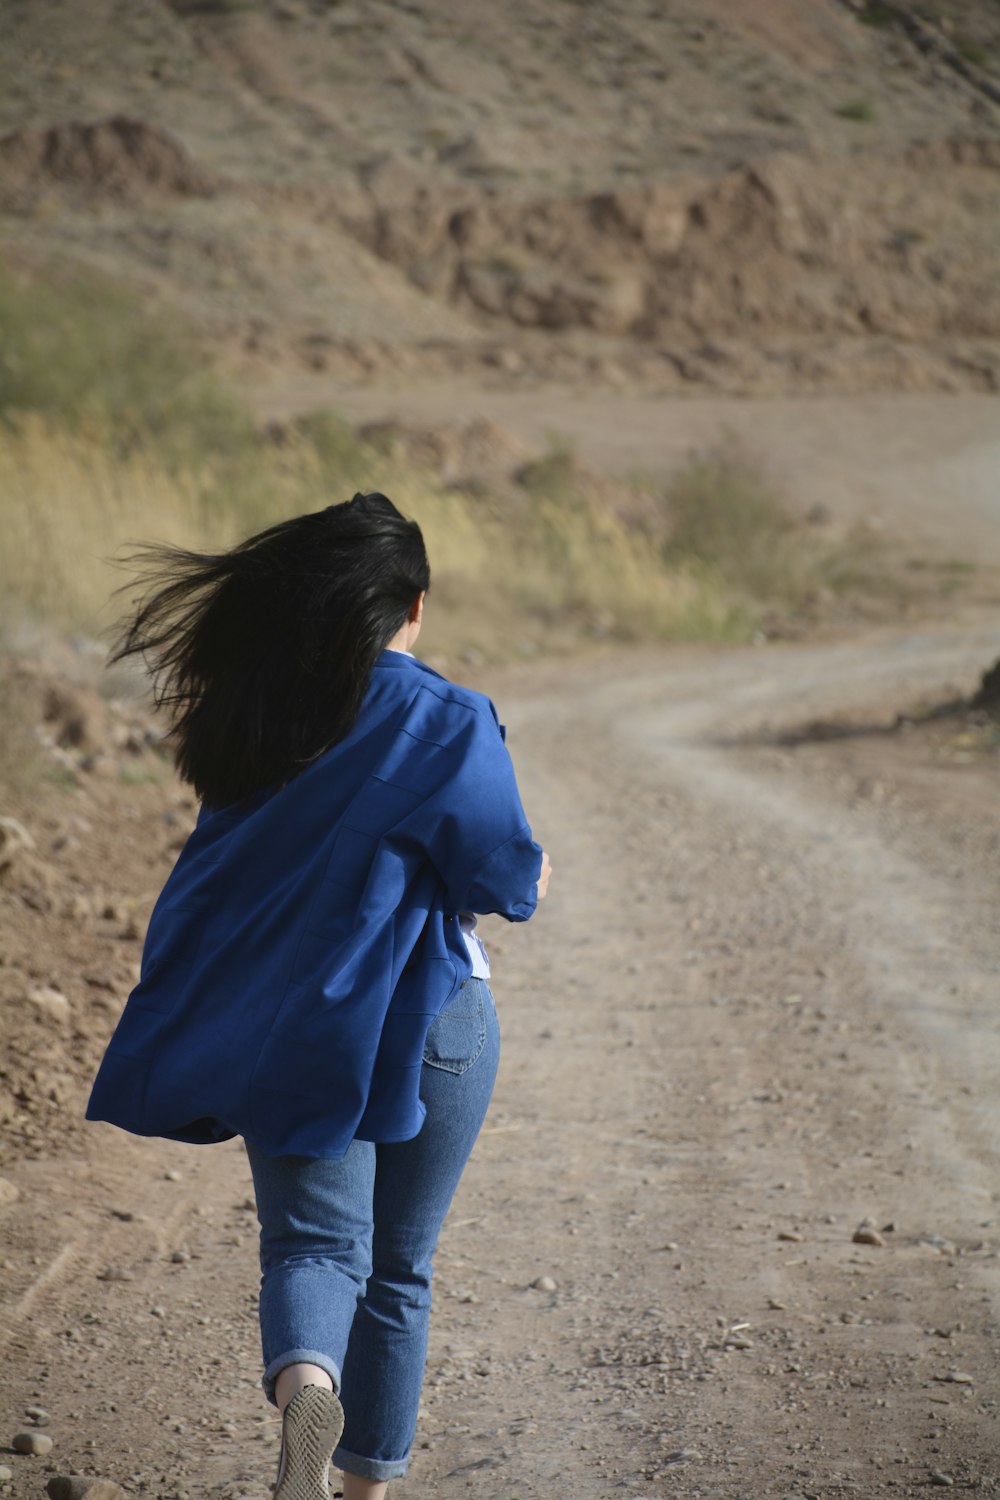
[{"x": 310, "y": 1430}]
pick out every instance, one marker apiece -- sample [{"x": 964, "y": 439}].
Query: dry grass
[
  {"x": 78, "y": 349},
  {"x": 577, "y": 564},
  {"x": 67, "y": 502},
  {"x": 127, "y": 438},
  {"x": 504, "y": 584},
  {"x": 722, "y": 514}
]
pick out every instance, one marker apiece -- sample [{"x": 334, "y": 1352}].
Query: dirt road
[{"x": 759, "y": 1006}]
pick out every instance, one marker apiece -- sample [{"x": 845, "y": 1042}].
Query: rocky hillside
[
  {"x": 797, "y": 194},
  {"x": 79, "y": 863}
]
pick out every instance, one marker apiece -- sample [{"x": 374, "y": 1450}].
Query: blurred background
[{"x": 667, "y": 321}]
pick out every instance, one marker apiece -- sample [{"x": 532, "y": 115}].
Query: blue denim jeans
[{"x": 346, "y": 1246}]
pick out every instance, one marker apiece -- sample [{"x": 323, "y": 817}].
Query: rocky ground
[{"x": 731, "y": 1228}]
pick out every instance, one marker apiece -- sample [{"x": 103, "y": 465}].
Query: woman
[{"x": 311, "y": 978}]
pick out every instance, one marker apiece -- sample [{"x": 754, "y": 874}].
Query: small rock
[
  {"x": 75, "y": 1486},
  {"x": 9, "y": 1193},
  {"x": 14, "y": 838},
  {"x": 77, "y": 907},
  {"x": 792, "y": 1235},
  {"x": 37, "y": 1443},
  {"x": 173, "y": 1175},
  {"x": 6, "y": 1475},
  {"x": 64, "y": 1487},
  {"x": 157, "y": 1312},
  {"x": 545, "y": 1284},
  {"x": 939, "y": 1243},
  {"x": 505, "y": 358},
  {"x": 38, "y": 1415},
  {"x": 181, "y": 1255},
  {"x": 50, "y": 1003},
  {"x": 942, "y": 1479},
  {"x": 955, "y": 1377},
  {"x": 115, "y": 1273},
  {"x": 867, "y": 1234}
]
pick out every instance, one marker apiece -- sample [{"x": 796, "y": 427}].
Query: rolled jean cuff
[
  {"x": 369, "y": 1468},
  {"x": 298, "y": 1357}
]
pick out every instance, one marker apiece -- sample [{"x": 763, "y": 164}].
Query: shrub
[
  {"x": 856, "y": 109},
  {"x": 974, "y": 52},
  {"x": 76, "y": 349},
  {"x": 878, "y": 16},
  {"x": 725, "y": 516}
]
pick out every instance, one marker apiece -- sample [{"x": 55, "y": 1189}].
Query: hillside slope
[{"x": 785, "y": 196}]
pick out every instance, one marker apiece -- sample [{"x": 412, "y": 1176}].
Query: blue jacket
[{"x": 307, "y": 937}]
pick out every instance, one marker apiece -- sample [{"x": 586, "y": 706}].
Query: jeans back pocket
[{"x": 457, "y": 1035}]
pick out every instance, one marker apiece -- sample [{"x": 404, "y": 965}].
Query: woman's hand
[{"x": 543, "y": 878}]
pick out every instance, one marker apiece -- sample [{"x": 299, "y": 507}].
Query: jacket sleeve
[{"x": 473, "y": 827}]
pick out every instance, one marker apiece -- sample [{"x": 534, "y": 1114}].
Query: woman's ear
[{"x": 416, "y": 614}]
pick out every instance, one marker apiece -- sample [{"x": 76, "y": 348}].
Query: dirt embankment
[
  {"x": 118, "y": 160},
  {"x": 789, "y": 247},
  {"x": 835, "y": 273},
  {"x": 90, "y": 823}
]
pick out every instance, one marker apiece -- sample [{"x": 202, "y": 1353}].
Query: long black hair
[{"x": 263, "y": 653}]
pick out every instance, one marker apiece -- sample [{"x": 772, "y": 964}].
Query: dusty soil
[{"x": 757, "y": 1009}]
